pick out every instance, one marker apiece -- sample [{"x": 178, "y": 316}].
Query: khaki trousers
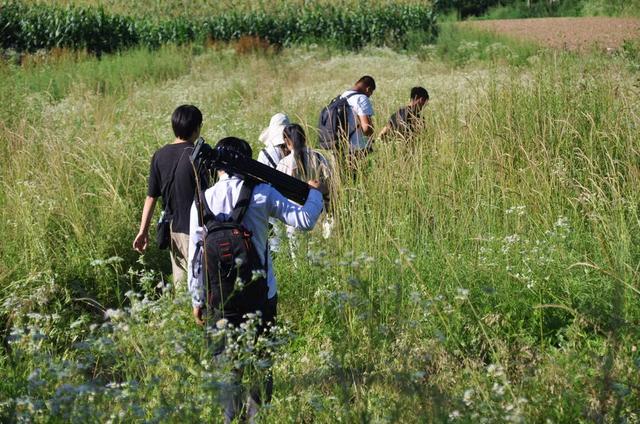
[{"x": 179, "y": 252}]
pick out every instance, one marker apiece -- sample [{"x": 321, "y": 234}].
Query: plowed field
[{"x": 567, "y": 33}]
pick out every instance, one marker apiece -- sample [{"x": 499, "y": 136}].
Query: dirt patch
[{"x": 566, "y": 33}]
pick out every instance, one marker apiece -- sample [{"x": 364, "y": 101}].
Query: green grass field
[
  {"x": 540, "y": 9},
  {"x": 485, "y": 272}
]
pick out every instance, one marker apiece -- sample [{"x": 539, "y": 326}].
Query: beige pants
[{"x": 179, "y": 252}]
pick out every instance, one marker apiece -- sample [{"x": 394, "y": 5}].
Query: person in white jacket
[
  {"x": 265, "y": 202},
  {"x": 275, "y": 149},
  {"x": 304, "y": 163}
]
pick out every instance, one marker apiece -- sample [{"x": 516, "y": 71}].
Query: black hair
[
  {"x": 237, "y": 145},
  {"x": 295, "y": 133},
  {"x": 419, "y": 93},
  {"x": 367, "y": 81},
  {"x": 185, "y": 120}
]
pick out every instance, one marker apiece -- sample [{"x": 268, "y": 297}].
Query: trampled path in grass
[
  {"x": 238, "y": 96},
  {"x": 580, "y": 34}
]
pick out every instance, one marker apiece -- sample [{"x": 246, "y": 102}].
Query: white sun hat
[{"x": 272, "y": 135}]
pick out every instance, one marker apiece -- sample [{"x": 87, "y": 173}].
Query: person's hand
[
  {"x": 141, "y": 241},
  {"x": 197, "y": 314},
  {"x": 314, "y": 183}
]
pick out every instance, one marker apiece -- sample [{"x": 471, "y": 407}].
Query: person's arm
[
  {"x": 366, "y": 125},
  {"x": 323, "y": 174},
  {"x": 142, "y": 239},
  {"x": 194, "y": 265},
  {"x": 364, "y": 111},
  {"x": 384, "y": 132},
  {"x": 292, "y": 214}
]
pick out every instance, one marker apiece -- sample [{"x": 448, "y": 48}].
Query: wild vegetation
[
  {"x": 516, "y": 9},
  {"x": 544, "y": 9},
  {"x": 32, "y": 27},
  {"x": 486, "y": 271}
]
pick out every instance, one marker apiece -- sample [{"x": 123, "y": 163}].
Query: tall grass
[
  {"x": 485, "y": 270},
  {"x": 462, "y": 45},
  {"x": 522, "y": 9},
  {"x": 47, "y": 78}
]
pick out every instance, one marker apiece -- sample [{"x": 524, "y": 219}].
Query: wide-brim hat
[{"x": 272, "y": 135}]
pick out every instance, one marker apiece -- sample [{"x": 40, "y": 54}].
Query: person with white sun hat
[{"x": 275, "y": 148}]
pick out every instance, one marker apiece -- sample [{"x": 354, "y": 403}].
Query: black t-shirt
[
  {"x": 184, "y": 183},
  {"x": 406, "y": 121}
]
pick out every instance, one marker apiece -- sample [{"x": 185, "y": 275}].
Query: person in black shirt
[
  {"x": 171, "y": 177},
  {"x": 407, "y": 121}
]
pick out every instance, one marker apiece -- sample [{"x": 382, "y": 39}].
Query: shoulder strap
[
  {"x": 349, "y": 95},
  {"x": 208, "y": 215},
  {"x": 340, "y": 97},
  {"x": 244, "y": 199},
  {"x": 170, "y": 185},
  {"x": 243, "y": 202},
  {"x": 269, "y": 158}
]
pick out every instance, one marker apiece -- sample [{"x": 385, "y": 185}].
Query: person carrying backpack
[
  {"x": 236, "y": 205},
  {"x": 348, "y": 116}
]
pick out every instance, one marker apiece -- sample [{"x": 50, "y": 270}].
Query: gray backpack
[{"x": 333, "y": 125}]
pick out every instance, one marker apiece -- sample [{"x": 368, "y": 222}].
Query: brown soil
[{"x": 567, "y": 33}]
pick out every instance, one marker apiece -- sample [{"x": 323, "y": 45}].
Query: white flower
[
  {"x": 114, "y": 314},
  {"x": 221, "y": 323},
  {"x": 463, "y": 294},
  {"x": 327, "y": 227},
  {"x": 257, "y": 274},
  {"x": 494, "y": 370},
  {"x": 239, "y": 284},
  {"x": 516, "y": 210},
  {"x": 454, "y": 415},
  {"x": 467, "y": 398},
  {"x": 498, "y": 389},
  {"x": 513, "y": 238},
  {"x": 562, "y": 222}
]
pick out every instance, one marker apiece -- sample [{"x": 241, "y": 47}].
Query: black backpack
[
  {"x": 237, "y": 282},
  {"x": 334, "y": 123}
]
